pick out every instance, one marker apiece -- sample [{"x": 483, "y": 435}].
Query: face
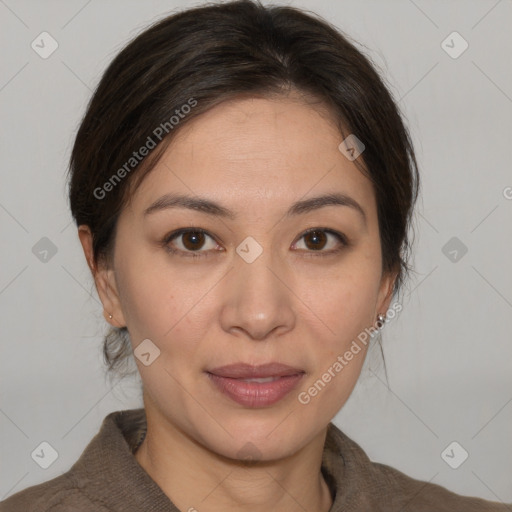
[{"x": 253, "y": 286}]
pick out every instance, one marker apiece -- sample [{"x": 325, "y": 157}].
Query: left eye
[
  {"x": 316, "y": 239},
  {"x": 193, "y": 240}
]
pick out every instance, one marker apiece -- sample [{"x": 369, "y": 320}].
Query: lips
[
  {"x": 247, "y": 371},
  {"x": 255, "y": 386}
]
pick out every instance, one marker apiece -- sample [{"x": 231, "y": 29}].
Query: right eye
[{"x": 193, "y": 240}]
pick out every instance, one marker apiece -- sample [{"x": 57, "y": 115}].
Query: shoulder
[
  {"x": 60, "y": 494},
  {"x": 375, "y": 486},
  {"x": 413, "y": 495},
  {"x": 100, "y": 480}
]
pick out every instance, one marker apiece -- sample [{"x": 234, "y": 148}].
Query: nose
[{"x": 259, "y": 302}]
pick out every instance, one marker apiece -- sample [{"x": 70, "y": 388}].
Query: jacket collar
[{"x": 124, "y": 481}]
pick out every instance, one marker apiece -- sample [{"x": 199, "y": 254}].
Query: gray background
[{"x": 448, "y": 354}]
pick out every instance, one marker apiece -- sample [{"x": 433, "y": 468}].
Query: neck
[{"x": 196, "y": 479}]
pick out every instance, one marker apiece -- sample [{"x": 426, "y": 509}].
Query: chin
[{"x": 265, "y": 438}]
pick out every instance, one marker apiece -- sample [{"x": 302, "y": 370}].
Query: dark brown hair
[{"x": 205, "y": 55}]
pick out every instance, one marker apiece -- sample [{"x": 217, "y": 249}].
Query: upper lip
[{"x": 248, "y": 371}]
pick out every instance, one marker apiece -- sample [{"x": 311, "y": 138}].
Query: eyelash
[{"x": 202, "y": 254}]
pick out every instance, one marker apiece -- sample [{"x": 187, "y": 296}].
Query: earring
[
  {"x": 110, "y": 316},
  {"x": 380, "y": 320}
]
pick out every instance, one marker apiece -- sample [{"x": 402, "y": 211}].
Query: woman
[{"x": 243, "y": 184}]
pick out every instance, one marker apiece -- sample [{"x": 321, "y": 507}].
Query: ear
[
  {"x": 385, "y": 292},
  {"x": 104, "y": 279}
]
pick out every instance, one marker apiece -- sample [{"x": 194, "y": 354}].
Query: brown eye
[
  {"x": 188, "y": 243},
  {"x": 315, "y": 240},
  {"x": 193, "y": 240}
]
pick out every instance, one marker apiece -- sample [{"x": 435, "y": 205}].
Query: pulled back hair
[{"x": 205, "y": 55}]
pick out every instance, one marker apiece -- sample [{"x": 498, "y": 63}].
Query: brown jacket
[{"x": 107, "y": 477}]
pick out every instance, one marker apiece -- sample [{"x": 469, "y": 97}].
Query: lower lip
[{"x": 256, "y": 394}]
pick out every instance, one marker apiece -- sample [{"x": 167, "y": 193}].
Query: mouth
[{"x": 255, "y": 386}]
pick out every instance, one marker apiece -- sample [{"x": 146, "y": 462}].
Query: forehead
[{"x": 256, "y": 153}]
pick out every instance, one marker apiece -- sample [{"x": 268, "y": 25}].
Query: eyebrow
[{"x": 211, "y": 208}]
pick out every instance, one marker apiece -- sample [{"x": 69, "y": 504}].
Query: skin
[{"x": 255, "y": 156}]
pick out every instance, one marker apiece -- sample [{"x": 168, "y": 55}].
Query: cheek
[
  {"x": 148, "y": 299},
  {"x": 160, "y": 303},
  {"x": 345, "y": 298},
  {"x": 345, "y": 304}
]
